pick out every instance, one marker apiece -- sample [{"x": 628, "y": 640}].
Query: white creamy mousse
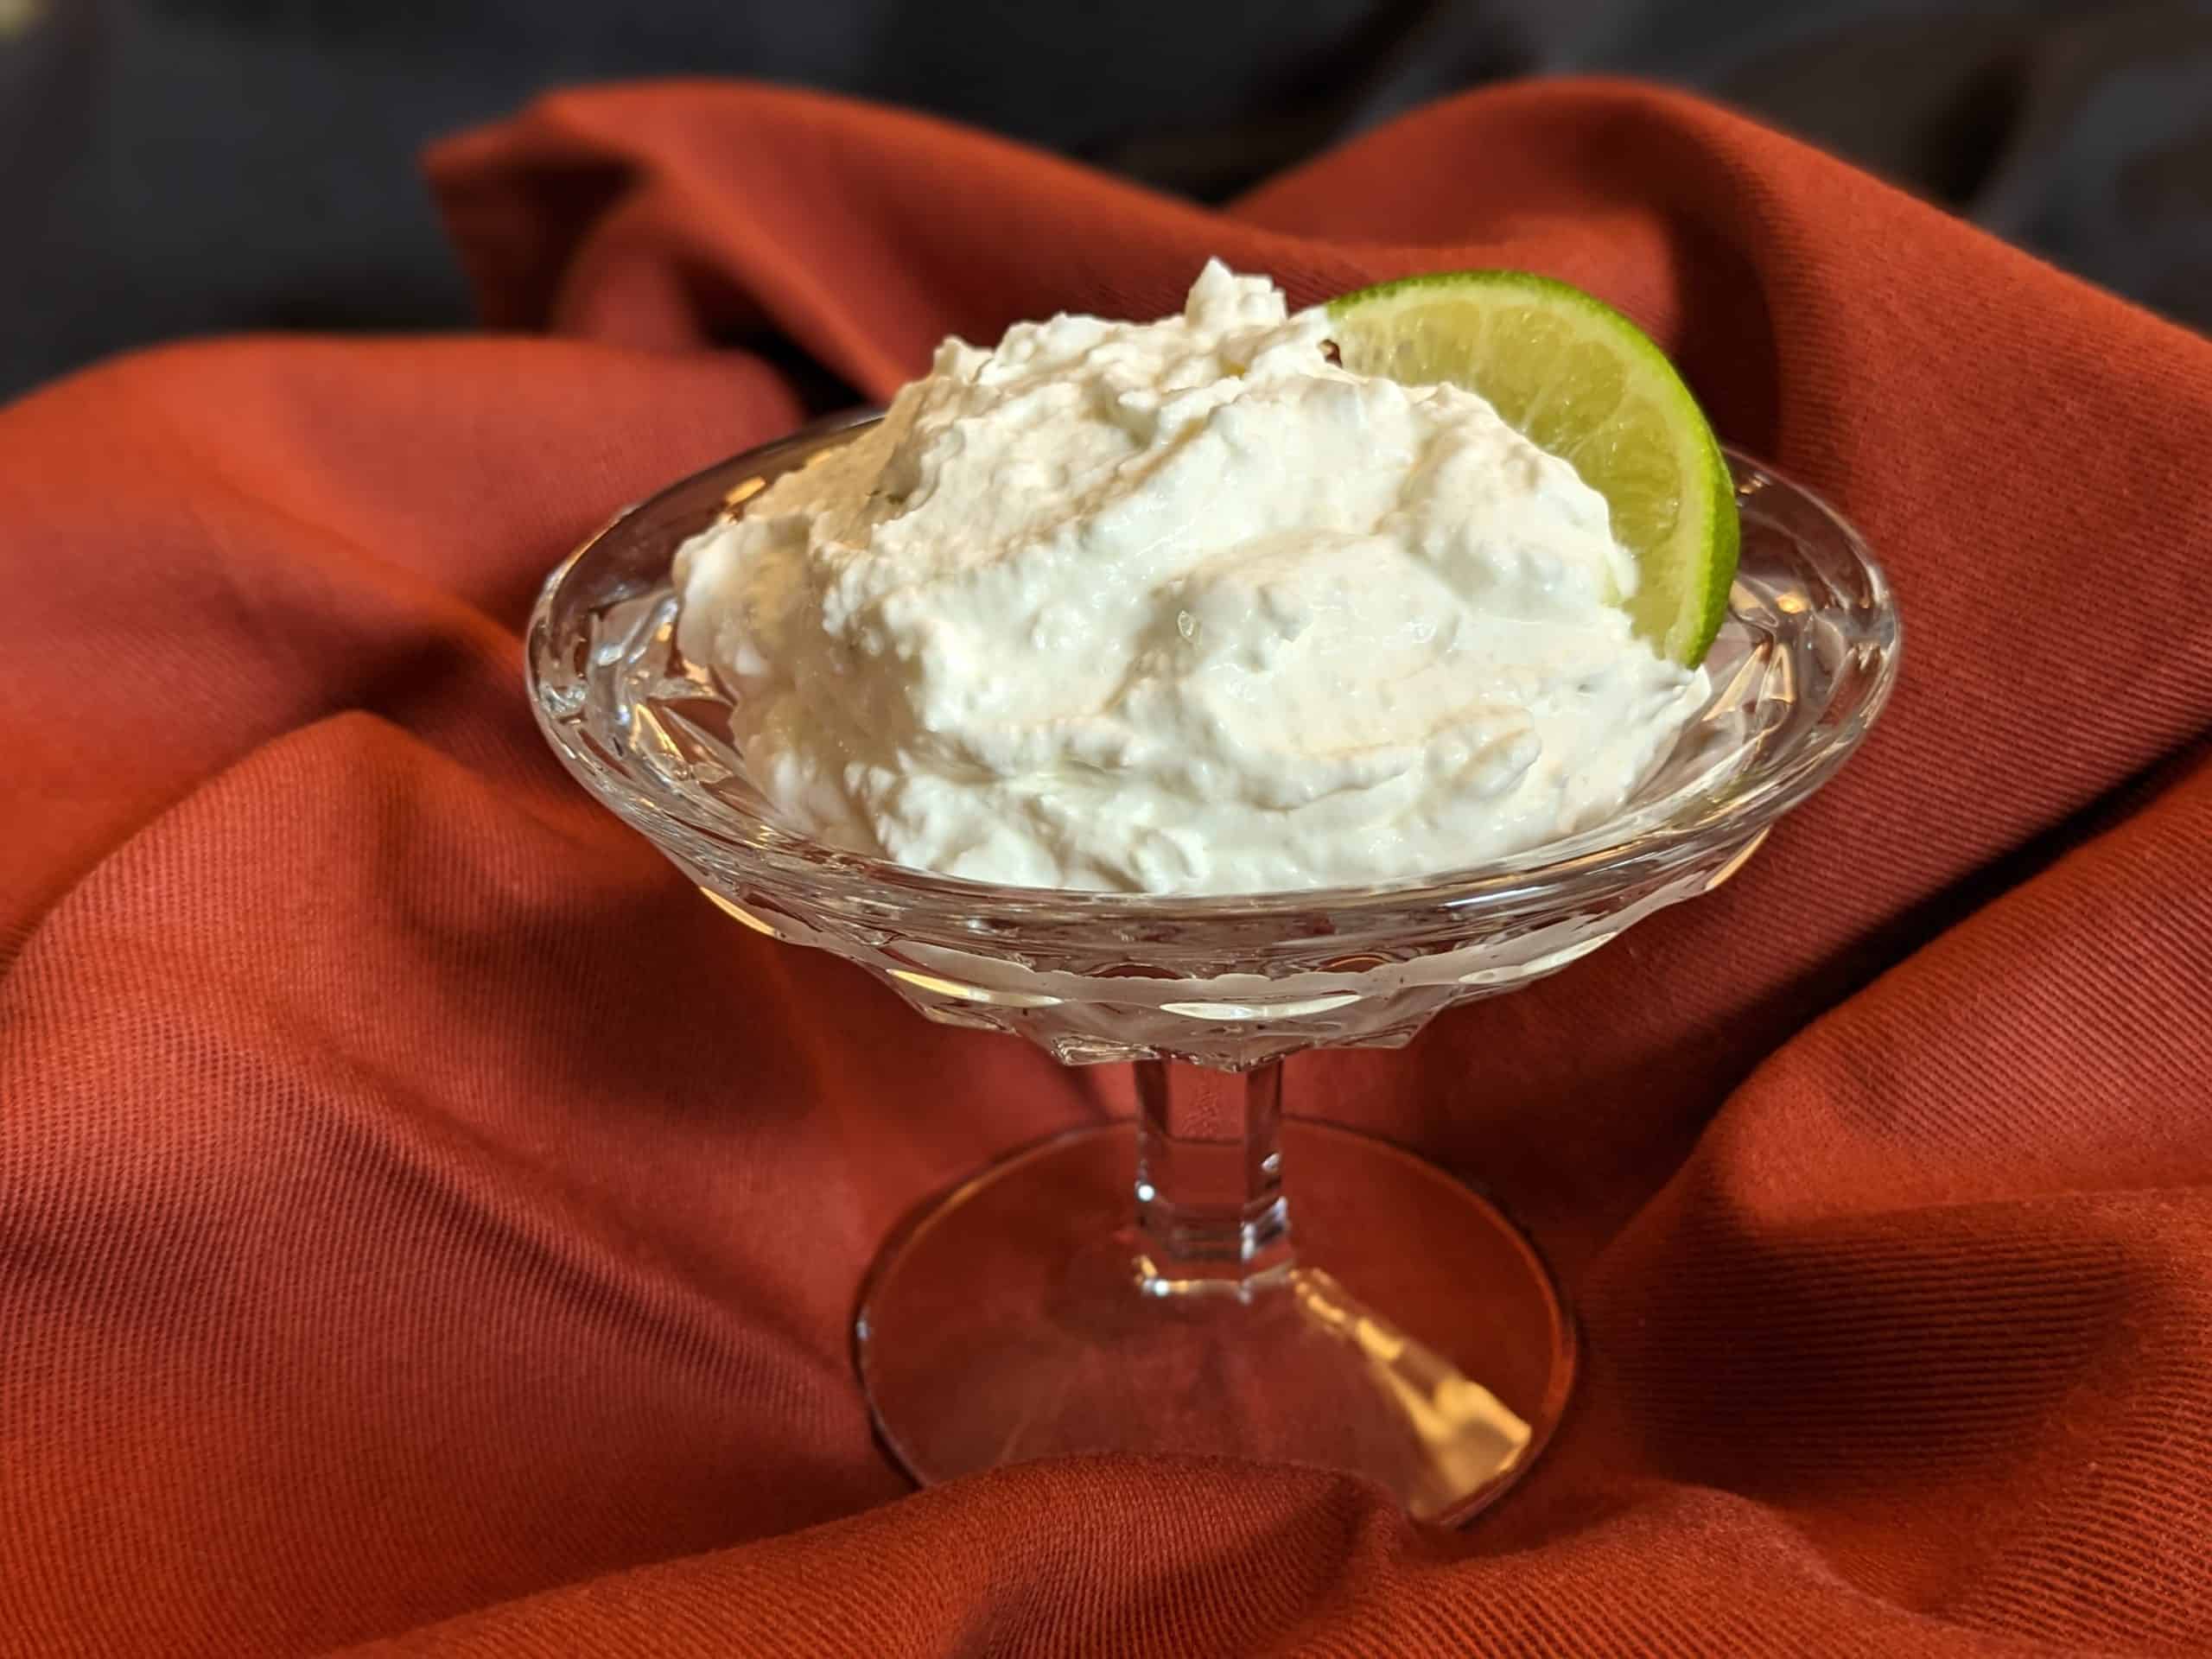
[{"x": 1181, "y": 607}]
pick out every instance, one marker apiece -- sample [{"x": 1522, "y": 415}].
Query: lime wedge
[{"x": 1582, "y": 382}]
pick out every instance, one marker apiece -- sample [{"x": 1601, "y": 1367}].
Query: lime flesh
[{"x": 1582, "y": 382}]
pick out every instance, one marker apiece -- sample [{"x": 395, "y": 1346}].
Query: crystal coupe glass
[{"x": 1220, "y": 1278}]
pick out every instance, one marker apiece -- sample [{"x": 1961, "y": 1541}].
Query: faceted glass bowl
[
  {"x": 1115, "y": 1292},
  {"x": 1801, "y": 668}
]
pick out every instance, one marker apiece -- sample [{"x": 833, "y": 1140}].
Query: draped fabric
[{"x": 424, "y": 1220}]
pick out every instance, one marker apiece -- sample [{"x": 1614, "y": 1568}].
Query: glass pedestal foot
[{"x": 1406, "y": 1332}]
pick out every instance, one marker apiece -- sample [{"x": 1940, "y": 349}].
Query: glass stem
[{"x": 1210, "y": 1212}]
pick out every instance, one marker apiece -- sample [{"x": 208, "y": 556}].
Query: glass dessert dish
[{"x": 1149, "y": 1290}]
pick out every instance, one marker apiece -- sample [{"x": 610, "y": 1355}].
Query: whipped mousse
[{"x": 1181, "y": 607}]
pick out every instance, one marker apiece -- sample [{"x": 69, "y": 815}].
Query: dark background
[{"x": 174, "y": 166}]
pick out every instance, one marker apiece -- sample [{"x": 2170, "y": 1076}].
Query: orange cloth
[{"x": 416, "y": 1205}]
